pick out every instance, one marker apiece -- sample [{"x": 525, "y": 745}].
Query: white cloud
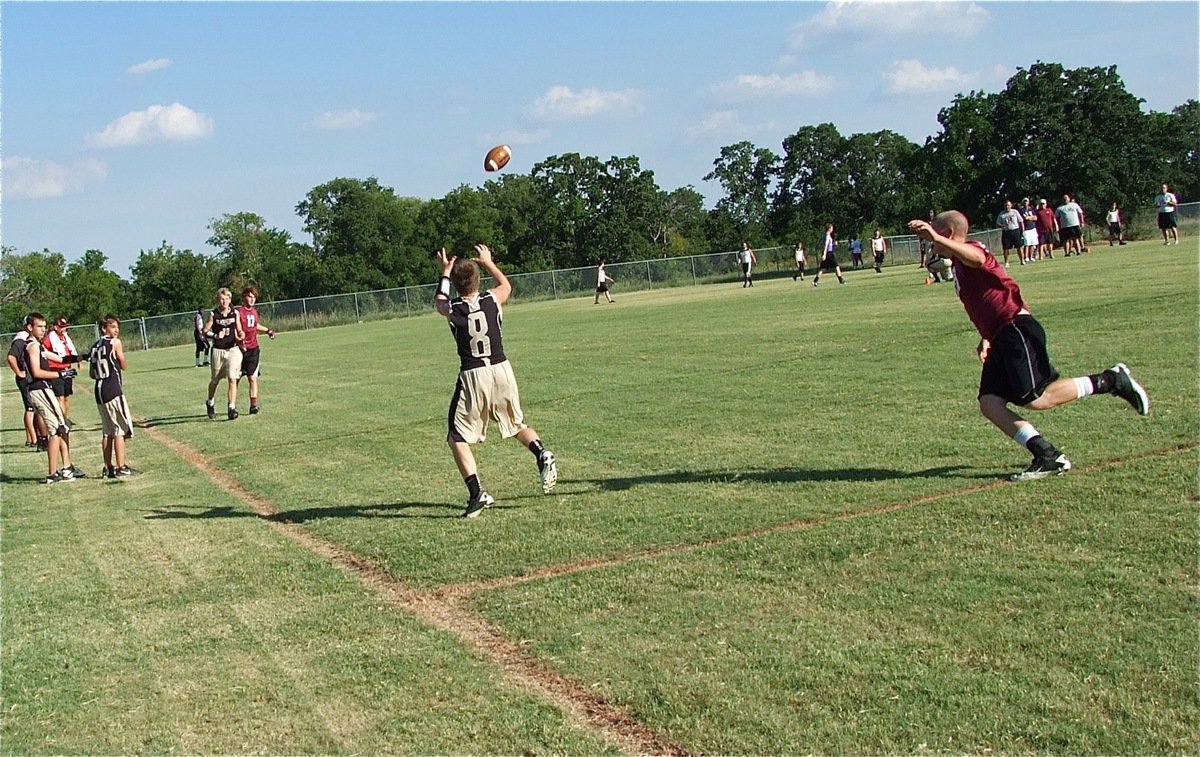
[
  {"x": 728, "y": 123},
  {"x": 158, "y": 123},
  {"x": 911, "y": 77},
  {"x": 561, "y": 104},
  {"x": 32, "y": 179},
  {"x": 344, "y": 119},
  {"x": 749, "y": 86},
  {"x": 867, "y": 22},
  {"x": 147, "y": 66}
]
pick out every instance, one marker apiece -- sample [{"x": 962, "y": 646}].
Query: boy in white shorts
[{"x": 486, "y": 388}]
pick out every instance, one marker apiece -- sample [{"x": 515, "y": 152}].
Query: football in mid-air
[{"x": 497, "y": 158}]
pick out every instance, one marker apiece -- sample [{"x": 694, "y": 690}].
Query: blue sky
[{"x": 127, "y": 124}]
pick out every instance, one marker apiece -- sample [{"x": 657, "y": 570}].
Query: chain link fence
[{"x": 176, "y": 329}]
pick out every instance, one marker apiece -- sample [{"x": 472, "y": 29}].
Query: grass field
[{"x": 781, "y": 527}]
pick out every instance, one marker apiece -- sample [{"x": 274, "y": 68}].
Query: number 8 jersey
[{"x": 475, "y": 323}]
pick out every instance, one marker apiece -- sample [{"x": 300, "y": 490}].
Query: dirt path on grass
[
  {"x": 447, "y": 608},
  {"x": 448, "y": 612}
]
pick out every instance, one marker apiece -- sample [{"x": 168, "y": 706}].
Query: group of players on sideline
[
  {"x": 42, "y": 364},
  {"x": 1016, "y": 367}
]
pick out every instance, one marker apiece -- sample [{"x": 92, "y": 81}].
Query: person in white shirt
[
  {"x": 747, "y": 258},
  {"x": 1011, "y": 228},
  {"x": 1115, "y": 229},
  {"x": 602, "y": 282},
  {"x": 799, "y": 253},
  {"x": 878, "y": 250},
  {"x": 57, "y": 344},
  {"x": 1070, "y": 226},
  {"x": 1166, "y": 204}
]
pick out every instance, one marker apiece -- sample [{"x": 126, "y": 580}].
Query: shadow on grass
[
  {"x": 786, "y": 476},
  {"x": 384, "y": 510},
  {"x": 173, "y": 368},
  {"x": 171, "y": 420}
]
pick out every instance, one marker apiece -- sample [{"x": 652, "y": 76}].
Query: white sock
[
  {"x": 1024, "y": 434},
  {"x": 1083, "y": 386},
  {"x": 209, "y": 403}
]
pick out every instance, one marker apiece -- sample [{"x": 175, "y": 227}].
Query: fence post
[
  {"x": 357, "y": 314},
  {"x": 693, "y": 259},
  {"x": 304, "y": 308},
  {"x": 554, "y": 283},
  {"x": 142, "y": 325},
  {"x": 649, "y": 281},
  {"x": 407, "y": 309}
]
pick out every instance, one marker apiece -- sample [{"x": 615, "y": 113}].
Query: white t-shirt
[
  {"x": 1166, "y": 202},
  {"x": 1114, "y": 216},
  {"x": 799, "y": 254},
  {"x": 600, "y": 277},
  {"x": 744, "y": 256}
]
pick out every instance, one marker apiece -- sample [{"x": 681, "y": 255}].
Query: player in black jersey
[
  {"x": 225, "y": 333},
  {"x": 33, "y": 363},
  {"x": 116, "y": 422},
  {"x": 486, "y": 388}
]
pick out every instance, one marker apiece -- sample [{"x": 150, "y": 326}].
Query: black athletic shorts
[
  {"x": 1166, "y": 220},
  {"x": 1010, "y": 239},
  {"x": 250, "y": 362},
  {"x": 1067, "y": 233},
  {"x": 1018, "y": 367},
  {"x": 1114, "y": 228},
  {"x": 62, "y": 387},
  {"x": 25, "y": 399},
  {"x": 829, "y": 262}
]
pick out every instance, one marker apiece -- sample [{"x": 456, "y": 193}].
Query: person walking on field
[
  {"x": 486, "y": 389},
  {"x": 1167, "y": 202},
  {"x": 798, "y": 253},
  {"x": 747, "y": 258},
  {"x": 829, "y": 257},
  {"x": 1029, "y": 235},
  {"x": 225, "y": 332},
  {"x": 878, "y": 250},
  {"x": 251, "y": 326},
  {"x": 1116, "y": 231},
  {"x": 1012, "y": 348},
  {"x": 602, "y": 282}
]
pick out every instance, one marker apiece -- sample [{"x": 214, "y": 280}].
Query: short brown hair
[
  {"x": 250, "y": 290},
  {"x": 465, "y": 276},
  {"x": 108, "y": 320}
]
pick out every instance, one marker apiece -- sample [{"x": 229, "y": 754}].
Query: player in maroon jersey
[
  {"x": 1016, "y": 366},
  {"x": 252, "y": 326},
  {"x": 486, "y": 388}
]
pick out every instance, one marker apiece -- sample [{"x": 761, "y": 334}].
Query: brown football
[{"x": 497, "y": 158}]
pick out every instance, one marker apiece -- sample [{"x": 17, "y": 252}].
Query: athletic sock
[
  {"x": 1028, "y": 437},
  {"x": 537, "y": 448},
  {"x": 1084, "y": 385},
  {"x": 210, "y": 403},
  {"x": 1102, "y": 383},
  {"x": 473, "y": 487}
]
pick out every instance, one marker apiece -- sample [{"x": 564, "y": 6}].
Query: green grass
[{"x": 781, "y": 527}]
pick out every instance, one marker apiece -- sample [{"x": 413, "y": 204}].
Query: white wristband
[{"x": 444, "y": 286}]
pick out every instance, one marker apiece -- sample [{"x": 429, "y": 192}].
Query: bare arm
[
  {"x": 970, "y": 255},
  {"x": 503, "y": 288},
  {"x": 34, "y": 353},
  {"x": 15, "y": 367},
  {"x": 119, "y": 354},
  {"x": 442, "y": 301}
]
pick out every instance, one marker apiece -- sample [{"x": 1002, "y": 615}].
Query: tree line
[{"x": 1051, "y": 130}]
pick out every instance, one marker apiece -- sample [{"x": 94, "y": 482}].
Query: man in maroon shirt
[{"x": 1012, "y": 348}]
